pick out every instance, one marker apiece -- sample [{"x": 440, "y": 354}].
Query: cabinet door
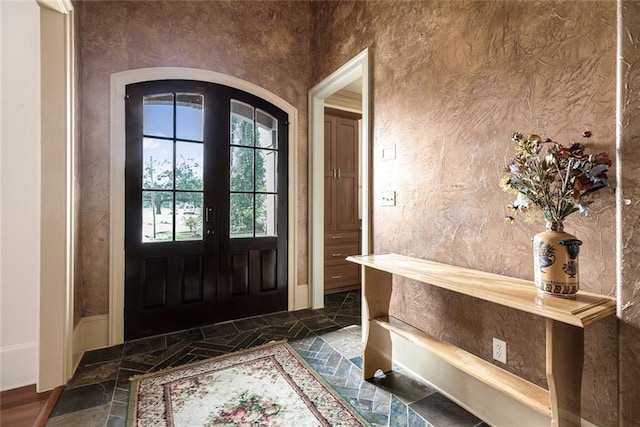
[
  {"x": 330, "y": 173},
  {"x": 346, "y": 182}
]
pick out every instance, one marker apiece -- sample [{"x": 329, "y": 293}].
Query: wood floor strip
[
  {"x": 46, "y": 410},
  {"x": 24, "y": 406}
]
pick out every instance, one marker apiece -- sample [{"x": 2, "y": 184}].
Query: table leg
[
  {"x": 565, "y": 360},
  {"x": 377, "y": 287}
]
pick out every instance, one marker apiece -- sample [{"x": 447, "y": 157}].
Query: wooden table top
[{"x": 583, "y": 310}]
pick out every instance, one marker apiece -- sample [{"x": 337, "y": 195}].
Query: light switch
[
  {"x": 389, "y": 153},
  {"x": 388, "y": 198}
]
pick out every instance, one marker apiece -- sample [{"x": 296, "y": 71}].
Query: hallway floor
[{"x": 329, "y": 339}]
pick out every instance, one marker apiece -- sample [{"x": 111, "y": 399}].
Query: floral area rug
[{"x": 269, "y": 385}]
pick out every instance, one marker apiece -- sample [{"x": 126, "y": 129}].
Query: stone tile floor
[{"x": 329, "y": 339}]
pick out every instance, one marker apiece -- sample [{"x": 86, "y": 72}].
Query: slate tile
[
  {"x": 280, "y": 319},
  {"x": 405, "y": 388},
  {"x": 119, "y": 409},
  {"x": 102, "y": 355},
  {"x": 220, "y": 330},
  {"x": 317, "y": 323},
  {"x": 398, "y": 414},
  {"x": 144, "y": 345},
  {"x": 95, "y": 373},
  {"x": 415, "y": 420},
  {"x": 250, "y": 324},
  {"x": 79, "y": 398},
  {"x": 116, "y": 421},
  {"x": 95, "y": 416},
  {"x": 121, "y": 395},
  {"x": 442, "y": 412},
  {"x": 184, "y": 337}
]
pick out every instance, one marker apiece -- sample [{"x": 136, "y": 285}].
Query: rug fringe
[{"x": 200, "y": 362}]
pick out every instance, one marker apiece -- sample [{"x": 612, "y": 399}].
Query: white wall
[{"x": 19, "y": 192}]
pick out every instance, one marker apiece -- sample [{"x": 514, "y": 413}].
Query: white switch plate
[
  {"x": 499, "y": 350},
  {"x": 389, "y": 153},
  {"x": 388, "y": 198}
]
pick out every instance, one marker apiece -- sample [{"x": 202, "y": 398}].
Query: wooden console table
[{"x": 565, "y": 323}]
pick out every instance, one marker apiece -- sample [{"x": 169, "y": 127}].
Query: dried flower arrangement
[{"x": 552, "y": 179}]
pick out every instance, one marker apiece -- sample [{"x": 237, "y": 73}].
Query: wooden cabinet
[{"x": 341, "y": 217}]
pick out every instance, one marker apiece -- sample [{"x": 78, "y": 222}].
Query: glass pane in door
[
  {"x": 189, "y": 165},
  {"x": 157, "y": 167},
  {"x": 157, "y": 113},
  {"x": 266, "y": 215},
  {"x": 241, "y": 124},
  {"x": 241, "y": 215},
  {"x": 157, "y": 216},
  {"x": 189, "y": 116},
  {"x": 266, "y": 171},
  {"x": 241, "y": 169},
  {"x": 189, "y": 215},
  {"x": 267, "y": 130}
]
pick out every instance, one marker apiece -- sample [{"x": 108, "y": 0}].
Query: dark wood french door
[{"x": 205, "y": 208}]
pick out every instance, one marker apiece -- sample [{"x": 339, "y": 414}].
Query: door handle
[{"x": 209, "y": 216}]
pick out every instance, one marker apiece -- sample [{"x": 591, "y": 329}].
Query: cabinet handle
[
  {"x": 336, "y": 237},
  {"x": 335, "y": 255},
  {"x": 335, "y": 173},
  {"x": 337, "y": 276},
  {"x": 338, "y": 173}
]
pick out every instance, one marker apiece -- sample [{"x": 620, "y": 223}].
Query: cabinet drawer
[
  {"x": 341, "y": 275},
  {"x": 337, "y": 253},
  {"x": 336, "y": 237}
]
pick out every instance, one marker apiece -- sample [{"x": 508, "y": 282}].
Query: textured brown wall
[
  {"x": 265, "y": 43},
  {"x": 629, "y": 186},
  {"x": 451, "y": 82}
]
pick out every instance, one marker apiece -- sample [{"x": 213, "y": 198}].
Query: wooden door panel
[
  {"x": 268, "y": 270},
  {"x": 346, "y": 208},
  {"x": 191, "y": 279},
  {"x": 154, "y": 283},
  {"x": 346, "y": 146},
  {"x": 329, "y": 203}
]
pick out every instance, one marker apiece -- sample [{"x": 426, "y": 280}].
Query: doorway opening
[{"x": 354, "y": 73}]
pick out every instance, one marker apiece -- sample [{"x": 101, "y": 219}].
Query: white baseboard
[
  {"x": 475, "y": 396},
  {"x": 90, "y": 333},
  {"x": 18, "y": 365}
]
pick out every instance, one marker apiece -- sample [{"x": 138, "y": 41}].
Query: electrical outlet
[{"x": 499, "y": 350}]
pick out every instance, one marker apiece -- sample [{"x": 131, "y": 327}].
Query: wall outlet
[{"x": 499, "y": 350}]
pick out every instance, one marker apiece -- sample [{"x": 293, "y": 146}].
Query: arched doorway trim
[{"x": 117, "y": 141}]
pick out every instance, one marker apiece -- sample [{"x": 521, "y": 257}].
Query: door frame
[
  {"x": 357, "y": 67},
  {"x": 119, "y": 81}
]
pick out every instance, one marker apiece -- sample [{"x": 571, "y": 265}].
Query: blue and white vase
[{"x": 555, "y": 260}]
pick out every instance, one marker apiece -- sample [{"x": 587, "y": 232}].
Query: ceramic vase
[{"x": 555, "y": 260}]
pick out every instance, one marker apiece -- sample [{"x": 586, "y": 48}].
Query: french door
[{"x": 205, "y": 206}]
